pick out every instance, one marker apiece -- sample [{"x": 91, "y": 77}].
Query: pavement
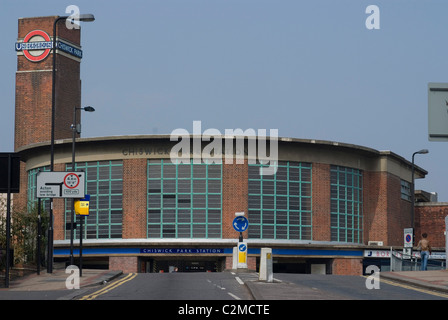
[
  {"x": 57, "y": 280},
  {"x": 432, "y": 280},
  {"x": 436, "y": 280}
]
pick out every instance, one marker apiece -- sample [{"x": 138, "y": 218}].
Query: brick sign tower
[
  {"x": 34, "y": 80},
  {"x": 34, "y": 83}
]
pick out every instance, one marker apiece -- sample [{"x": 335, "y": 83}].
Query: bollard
[
  {"x": 266, "y": 273},
  {"x": 235, "y": 258}
]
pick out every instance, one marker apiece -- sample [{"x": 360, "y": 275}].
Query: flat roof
[{"x": 28, "y": 150}]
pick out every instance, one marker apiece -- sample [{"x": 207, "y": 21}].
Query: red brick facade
[
  {"x": 385, "y": 213},
  {"x": 347, "y": 266},
  {"x": 125, "y": 264},
  {"x": 430, "y": 219},
  {"x": 134, "y": 199},
  {"x": 234, "y": 196},
  {"x": 321, "y": 201}
]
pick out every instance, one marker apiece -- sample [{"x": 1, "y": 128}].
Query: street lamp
[
  {"x": 75, "y": 130},
  {"x": 423, "y": 151},
  {"x": 82, "y": 17}
]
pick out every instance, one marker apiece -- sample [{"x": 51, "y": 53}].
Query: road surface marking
[
  {"x": 234, "y": 296},
  {"x": 239, "y": 280},
  {"x": 109, "y": 287},
  {"x": 410, "y": 287}
]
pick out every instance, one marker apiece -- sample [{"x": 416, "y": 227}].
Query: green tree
[{"x": 24, "y": 234}]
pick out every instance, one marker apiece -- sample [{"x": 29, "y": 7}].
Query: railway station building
[{"x": 326, "y": 205}]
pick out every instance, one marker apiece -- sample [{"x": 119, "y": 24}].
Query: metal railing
[{"x": 400, "y": 261}]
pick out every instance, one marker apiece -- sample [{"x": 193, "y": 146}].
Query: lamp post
[
  {"x": 75, "y": 130},
  {"x": 85, "y": 18},
  {"x": 423, "y": 151}
]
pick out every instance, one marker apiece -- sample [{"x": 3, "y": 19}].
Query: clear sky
[{"x": 310, "y": 69}]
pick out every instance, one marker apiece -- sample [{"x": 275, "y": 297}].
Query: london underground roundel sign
[{"x": 36, "y": 45}]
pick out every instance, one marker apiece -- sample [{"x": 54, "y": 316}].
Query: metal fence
[{"x": 400, "y": 261}]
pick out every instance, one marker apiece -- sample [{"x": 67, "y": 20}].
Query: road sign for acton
[{"x": 60, "y": 184}]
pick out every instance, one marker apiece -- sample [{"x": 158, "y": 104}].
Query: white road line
[
  {"x": 239, "y": 280},
  {"x": 234, "y": 296}
]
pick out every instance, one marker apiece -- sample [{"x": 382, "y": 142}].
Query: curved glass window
[
  {"x": 346, "y": 204},
  {"x": 184, "y": 200},
  {"x": 280, "y": 204},
  {"x": 104, "y": 184}
]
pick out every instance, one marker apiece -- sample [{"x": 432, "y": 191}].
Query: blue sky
[{"x": 310, "y": 69}]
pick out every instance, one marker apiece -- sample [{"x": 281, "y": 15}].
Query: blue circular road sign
[{"x": 240, "y": 223}]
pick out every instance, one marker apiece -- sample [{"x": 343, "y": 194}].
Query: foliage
[{"x": 24, "y": 234}]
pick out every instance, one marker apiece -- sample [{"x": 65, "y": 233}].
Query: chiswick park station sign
[
  {"x": 182, "y": 250},
  {"x": 37, "y": 44}
]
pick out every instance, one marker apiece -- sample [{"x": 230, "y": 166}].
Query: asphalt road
[
  {"x": 226, "y": 286},
  {"x": 354, "y": 288},
  {"x": 175, "y": 286}
]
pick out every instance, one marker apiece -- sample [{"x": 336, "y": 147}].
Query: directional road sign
[
  {"x": 438, "y": 111},
  {"x": 240, "y": 223},
  {"x": 242, "y": 255},
  {"x": 60, "y": 184}
]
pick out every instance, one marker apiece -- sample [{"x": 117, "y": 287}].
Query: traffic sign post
[
  {"x": 408, "y": 238},
  {"x": 240, "y": 224},
  {"x": 81, "y": 210},
  {"x": 60, "y": 184}
]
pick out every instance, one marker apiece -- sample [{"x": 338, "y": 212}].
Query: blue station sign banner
[
  {"x": 60, "y": 45},
  {"x": 44, "y": 45},
  {"x": 181, "y": 250},
  {"x": 254, "y": 251}
]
